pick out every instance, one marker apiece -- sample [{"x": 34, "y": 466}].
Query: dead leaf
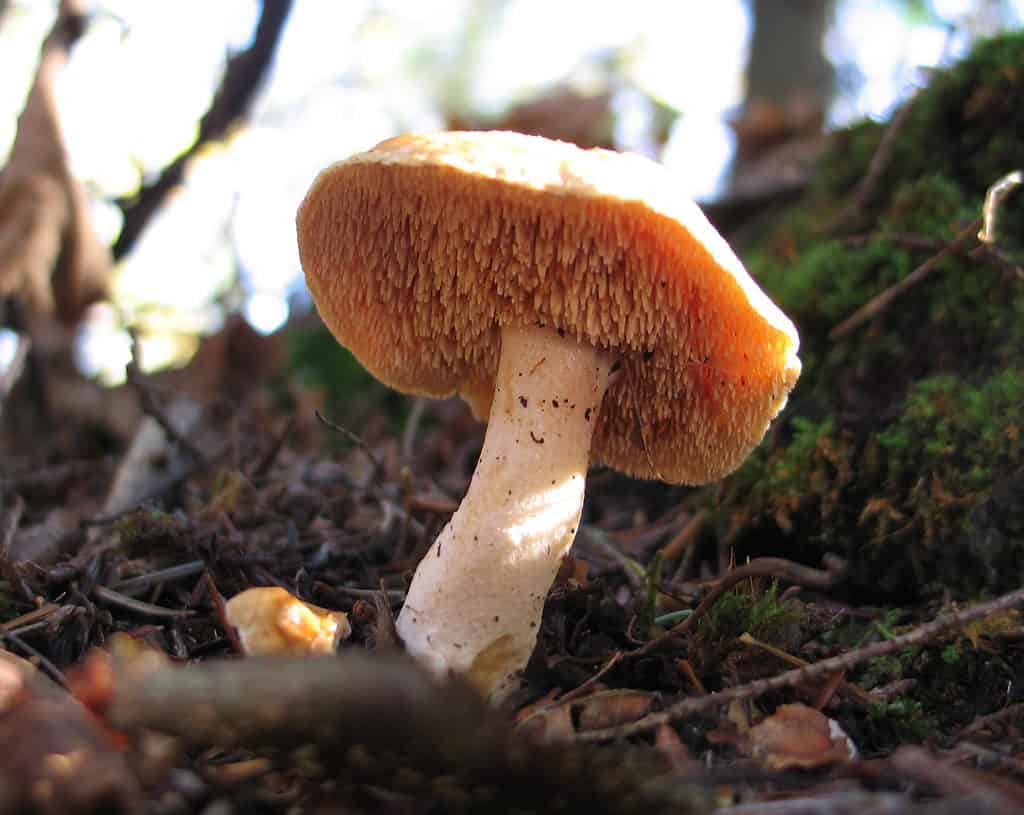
[
  {"x": 798, "y": 737},
  {"x": 551, "y": 725},
  {"x": 612, "y": 708}
]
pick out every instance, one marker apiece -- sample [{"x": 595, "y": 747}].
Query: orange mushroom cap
[{"x": 418, "y": 251}]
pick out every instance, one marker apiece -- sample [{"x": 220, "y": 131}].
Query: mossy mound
[{"x": 902, "y": 445}]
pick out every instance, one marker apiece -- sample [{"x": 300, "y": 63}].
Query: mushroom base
[{"x": 474, "y": 606}]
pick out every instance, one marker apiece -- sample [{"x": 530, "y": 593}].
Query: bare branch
[{"x": 243, "y": 77}]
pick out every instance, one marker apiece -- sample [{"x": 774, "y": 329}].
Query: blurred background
[{"x": 185, "y": 133}]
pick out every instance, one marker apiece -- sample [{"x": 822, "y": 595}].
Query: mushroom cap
[{"x": 418, "y": 251}]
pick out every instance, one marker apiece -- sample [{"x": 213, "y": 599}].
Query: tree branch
[{"x": 243, "y": 77}]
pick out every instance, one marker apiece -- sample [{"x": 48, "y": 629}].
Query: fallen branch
[
  {"x": 359, "y": 711},
  {"x": 818, "y": 670}
]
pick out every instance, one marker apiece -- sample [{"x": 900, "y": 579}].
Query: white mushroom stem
[{"x": 475, "y": 603}]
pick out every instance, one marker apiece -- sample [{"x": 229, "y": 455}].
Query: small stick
[
  {"x": 35, "y": 615},
  {"x": 18, "y": 644},
  {"x": 861, "y": 695},
  {"x": 412, "y": 426},
  {"x": 759, "y": 567},
  {"x": 268, "y": 458},
  {"x": 686, "y": 536},
  {"x": 114, "y": 598},
  {"x": 1006, "y": 716},
  {"x": 994, "y": 198},
  {"x": 352, "y": 437},
  {"x": 876, "y": 168},
  {"x": 882, "y": 301},
  {"x": 843, "y": 662},
  {"x": 133, "y": 585},
  {"x": 152, "y": 408},
  {"x": 599, "y": 539},
  {"x": 582, "y": 689},
  {"x": 686, "y": 669}
]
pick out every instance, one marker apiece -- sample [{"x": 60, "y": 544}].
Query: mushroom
[
  {"x": 576, "y": 301},
  {"x": 271, "y": 620}
]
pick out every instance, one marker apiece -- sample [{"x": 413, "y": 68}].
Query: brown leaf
[
  {"x": 797, "y": 736},
  {"x": 552, "y": 725},
  {"x": 612, "y": 708}
]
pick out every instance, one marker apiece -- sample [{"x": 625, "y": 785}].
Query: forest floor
[
  {"x": 783, "y": 688},
  {"x": 834, "y": 629}
]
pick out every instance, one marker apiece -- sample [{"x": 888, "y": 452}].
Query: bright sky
[{"x": 348, "y": 74}]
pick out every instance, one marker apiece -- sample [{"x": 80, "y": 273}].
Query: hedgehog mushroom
[{"x": 518, "y": 272}]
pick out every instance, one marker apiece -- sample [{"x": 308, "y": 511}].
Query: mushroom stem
[{"x": 475, "y": 603}]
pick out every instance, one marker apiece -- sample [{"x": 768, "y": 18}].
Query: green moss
[
  {"x": 898, "y": 432},
  {"x": 150, "y": 532},
  {"x": 958, "y": 433},
  {"x": 749, "y": 609},
  {"x": 900, "y": 720}
]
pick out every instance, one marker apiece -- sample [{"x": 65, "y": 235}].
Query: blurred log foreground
[{"x": 666, "y": 677}]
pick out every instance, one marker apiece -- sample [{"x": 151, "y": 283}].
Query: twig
[
  {"x": 994, "y": 198},
  {"x": 856, "y": 691},
  {"x": 776, "y": 567},
  {"x": 687, "y": 536},
  {"x": 36, "y": 615},
  {"x": 243, "y": 77},
  {"x": 583, "y": 688},
  {"x": 883, "y": 300},
  {"x": 599, "y": 539},
  {"x": 152, "y": 407},
  {"x": 393, "y": 595},
  {"x": 18, "y": 644},
  {"x": 920, "y": 765},
  {"x": 133, "y": 585},
  {"x": 843, "y": 662},
  {"x": 269, "y": 457},
  {"x": 114, "y": 598},
  {"x": 1002, "y": 717},
  {"x": 355, "y": 438},
  {"x": 876, "y": 168},
  {"x": 412, "y": 426}
]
